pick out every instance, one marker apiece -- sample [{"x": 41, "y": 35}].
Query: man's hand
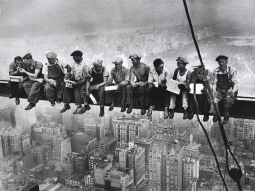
[
  {"x": 230, "y": 93},
  {"x": 51, "y": 81},
  {"x": 134, "y": 84},
  {"x": 182, "y": 87},
  {"x": 40, "y": 80},
  {"x": 67, "y": 75},
  {"x": 22, "y": 70}
]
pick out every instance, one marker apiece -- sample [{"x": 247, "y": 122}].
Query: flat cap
[
  {"x": 77, "y": 53},
  {"x": 118, "y": 59},
  {"x": 182, "y": 60},
  {"x": 51, "y": 55},
  {"x": 135, "y": 56},
  {"x": 196, "y": 65},
  {"x": 97, "y": 62},
  {"x": 221, "y": 57}
]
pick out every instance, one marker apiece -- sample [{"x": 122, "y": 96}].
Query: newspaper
[
  {"x": 110, "y": 88},
  {"x": 172, "y": 86},
  {"x": 69, "y": 83}
]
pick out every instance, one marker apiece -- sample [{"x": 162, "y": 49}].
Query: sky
[{"x": 37, "y": 17}]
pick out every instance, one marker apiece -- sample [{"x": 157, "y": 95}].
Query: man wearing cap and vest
[
  {"x": 54, "y": 77},
  {"x": 182, "y": 75},
  {"x": 225, "y": 88},
  {"x": 99, "y": 75},
  {"x": 34, "y": 84},
  {"x": 199, "y": 77},
  {"x": 140, "y": 71},
  {"x": 80, "y": 77},
  {"x": 14, "y": 70},
  {"x": 120, "y": 75},
  {"x": 158, "y": 78}
]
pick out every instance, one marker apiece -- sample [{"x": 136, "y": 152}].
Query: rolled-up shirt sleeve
[
  {"x": 45, "y": 69},
  {"x": 106, "y": 72},
  {"x": 150, "y": 78},
  {"x": 127, "y": 75},
  {"x": 12, "y": 69},
  {"x": 234, "y": 80}
]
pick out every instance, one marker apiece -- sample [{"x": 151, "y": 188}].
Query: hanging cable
[{"x": 234, "y": 173}]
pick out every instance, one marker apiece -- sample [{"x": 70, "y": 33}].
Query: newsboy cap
[
  {"x": 221, "y": 57},
  {"x": 77, "y": 53},
  {"x": 118, "y": 59},
  {"x": 51, "y": 55},
  {"x": 182, "y": 60},
  {"x": 97, "y": 62}
]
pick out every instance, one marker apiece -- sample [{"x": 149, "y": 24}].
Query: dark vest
[
  {"x": 223, "y": 82},
  {"x": 55, "y": 72},
  {"x": 97, "y": 77}
]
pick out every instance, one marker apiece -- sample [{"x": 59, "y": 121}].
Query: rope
[{"x": 235, "y": 174}]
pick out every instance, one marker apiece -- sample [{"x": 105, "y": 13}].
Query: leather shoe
[
  {"x": 226, "y": 118},
  {"x": 111, "y": 107},
  {"x": 17, "y": 101},
  {"x": 11, "y": 96},
  {"x": 66, "y": 107},
  {"x": 171, "y": 114},
  {"x": 166, "y": 113},
  {"x": 143, "y": 111},
  {"x": 129, "y": 110},
  {"x": 30, "y": 106},
  {"x": 214, "y": 118},
  {"x": 185, "y": 114},
  {"x": 101, "y": 114},
  {"x": 58, "y": 100},
  {"x": 205, "y": 118},
  {"x": 123, "y": 109},
  {"x": 149, "y": 112},
  {"x": 84, "y": 109},
  {"x": 53, "y": 103},
  {"x": 78, "y": 109},
  {"x": 190, "y": 115}
]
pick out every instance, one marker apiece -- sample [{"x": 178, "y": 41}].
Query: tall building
[
  {"x": 5, "y": 117},
  {"x": 82, "y": 143},
  {"x": 128, "y": 128},
  {"x": 190, "y": 172},
  {"x": 61, "y": 147},
  {"x": 95, "y": 130},
  {"x": 1, "y": 149}
]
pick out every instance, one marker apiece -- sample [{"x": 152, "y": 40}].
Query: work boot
[
  {"x": 171, "y": 114},
  {"x": 78, "y": 109},
  {"x": 190, "y": 115},
  {"x": 129, "y": 110},
  {"x": 17, "y": 101},
  {"x": 84, "y": 109},
  {"x": 185, "y": 114},
  {"x": 11, "y": 96},
  {"x": 101, "y": 114},
  {"x": 30, "y": 106},
  {"x": 66, "y": 107},
  {"x": 111, "y": 107},
  {"x": 143, "y": 111},
  {"x": 166, "y": 113},
  {"x": 226, "y": 118},
  {"x": 205, "y": 118},
  {"x": 149, "y": 112},
  {"x": 53, "y": 103},
  {"x": 214, "y": 118},
  {"x": 123, "y": 108}
]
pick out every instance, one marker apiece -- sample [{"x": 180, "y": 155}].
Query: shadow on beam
[{"x": 244, "y": 106}]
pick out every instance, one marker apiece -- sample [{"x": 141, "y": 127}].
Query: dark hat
[
  {"x": 182, "y": 60},
  {"x": 77, "y": 53},
  {"x": 221, "y": 57}
]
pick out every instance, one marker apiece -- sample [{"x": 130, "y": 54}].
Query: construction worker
[
  {"x": 226, "y": 87},
  {"x": 140, "y": 71},
  {"x": 80, "y": 77},
  {"x": 99, "y": 75},
  {"x": 181, "y": 75},
  {"x": 14, "y": 70},
  {"x": 35, "y": 83},
  {"x": 158, "y": 78},
  {"x": 199, "y": 77},
  {"x": 54, "y": 77},
  {"x": 120, "y": 75}
]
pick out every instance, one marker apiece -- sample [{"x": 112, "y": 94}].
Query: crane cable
[{"x": 234, "y": 173}]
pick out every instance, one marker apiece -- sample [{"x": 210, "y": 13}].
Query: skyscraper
[{"x": 61, "y": 147}]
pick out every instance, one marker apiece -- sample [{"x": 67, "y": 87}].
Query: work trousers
[
  {"x": 52, "y": 91},
  {"x": 123, "y": 95},
  {"x": 184, "y": 95},
  {"x": 205, "y": 98},
  {"x": 15, "y": 88},
  {"x": 157, "y": 93},
  {"x": 79, "y": 93},
  {"x": 228, "y": 100},
  {"x": 33, "y": 90},
  {"x": 141, "y": 98},
  {"x": 100, "y": 93}
]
